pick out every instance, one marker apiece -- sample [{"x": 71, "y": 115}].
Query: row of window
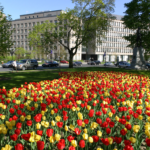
[
  {"x": 22, "y": 25},
  {"x": 21, "y": 43},
  {"x": 29, "y": 30},
  {"x": 114, "y": 50},
  {"x": 114, "y": 44},
  {"x": 121, "y": 30},
  {"x": 32, "y": 17},
  {"x": 19, "y": 37}
]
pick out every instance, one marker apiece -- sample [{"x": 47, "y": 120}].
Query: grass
[{"x": 19, "y": 78}]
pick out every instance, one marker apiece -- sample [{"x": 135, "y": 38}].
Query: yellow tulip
[
  {"x": 57, "y": 137},
  {"x": 99, "y": 133},
  {"x": 74, "y": 143},
  {"x": 90, "y": 139},
  {"x": 132, "y": 139},
  {"x": 53, "y": 123},
  {"x": 52, "y": 139},
  {"x": 52, "y": 112},
  {"x": 136, "y": 128},
  {"x": 28, "y": 117},
  {"x": 66, "y": 128},
  {"x": 38, "y": 126},
  {"x": 57, "y": 118},
  {"x": 22, "y": 118},
  {"x": 37, "y": 138},
  {"x": 85, "y": 136}
]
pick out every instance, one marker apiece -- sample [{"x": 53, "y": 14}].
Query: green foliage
[
  {"x": 89, "y": 19},
  {"x": 5, "y": 33},
  {"x": 20, "y": 53},
  {"x": 137, "y": 15}
]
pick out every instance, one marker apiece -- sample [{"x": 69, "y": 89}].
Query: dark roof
[
  {"x": 118, "y": 17},
  {"x": 40, "y": 12}
]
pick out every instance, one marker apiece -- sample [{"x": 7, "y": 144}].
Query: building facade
[{"x": 114, "y": 45}]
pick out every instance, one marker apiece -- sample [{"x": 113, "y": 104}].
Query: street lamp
[{"x": 12, "y": 52}]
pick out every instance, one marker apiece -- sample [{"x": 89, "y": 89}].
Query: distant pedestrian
[{"x": 14, "y": 65}]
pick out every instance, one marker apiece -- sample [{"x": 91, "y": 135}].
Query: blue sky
[{"x": 15, "y": 8}]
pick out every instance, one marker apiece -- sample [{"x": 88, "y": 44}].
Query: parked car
[
  {"x": 116, "y": 64},
  {"x": 53, "y": 64},
  {"x": 7, "y": 65},
  {"x": 97, "y": 62},
  {"x": 108, "y": 64},
  {"x": 147, "y": 65},
  {"x": 77, "y": 63},
  {"x": 27, "y": 64},
  {"x": 64, "y": 61},
  {"x": 123, "y": 64},
  {"x": 46, "y": 64},
  {"x": 91, "y": 63}
]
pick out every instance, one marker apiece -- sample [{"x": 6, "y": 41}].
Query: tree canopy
[
  {"x": 88, "y": 20},
  {"x": 137, "y": 15},
  {"x": 5, "y": 33}
]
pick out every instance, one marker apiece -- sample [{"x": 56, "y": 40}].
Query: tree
[
  {"x": 87, "y": 21},
  {"x": 137, "y": 16},
  {"x": 20, "y": 52},
  {"x": 5, "y": 33},
  {"x": 39, "y": 38}
]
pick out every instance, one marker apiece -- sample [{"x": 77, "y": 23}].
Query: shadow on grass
[{"x": 17, "y": 79}]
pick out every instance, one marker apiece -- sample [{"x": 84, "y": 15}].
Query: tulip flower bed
[{"x": 81, "y": 110}]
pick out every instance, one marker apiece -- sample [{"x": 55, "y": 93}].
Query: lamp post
[{"x": 12, "y": 52}]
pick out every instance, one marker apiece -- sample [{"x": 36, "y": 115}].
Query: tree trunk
[{"x": 71, "y": 60}]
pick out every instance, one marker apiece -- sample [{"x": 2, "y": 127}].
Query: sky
[{"x": 15, "y": 8}]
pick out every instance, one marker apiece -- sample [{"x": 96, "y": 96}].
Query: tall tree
[
  {"x": 5, "y": 33},
  {"x": 40, "y": 38},
  {"x": 137, "y": 15},
  {"x": 87, "y": 21},
  {"x": 20, "y": 52}
]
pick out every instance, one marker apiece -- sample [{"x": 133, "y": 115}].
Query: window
[
  {"x": 18, "y": 42},
  {"x": 22, "y": 43},
  {"x": 37, "y": 16},
  {"x": 29, "y": 16},
  {"x": 41, "y": 22},
  {"x": 14, "y": 31},
  {"x": 55, "y": 21},
  {"x": 33, "y": 16},
  {"x": 25, "y": 17},
  {"x": 14, "y": 26},
  {"x": 25, "y": 24},
  {"x": 18, "y": 25},
  {"x": 29, "y": 30},
  {"x": 29, "y": 24},
  {"x": 22, "y": 25},
  {"x": 21, "y": 36},
  {"x": 25, "y": 30},
  {"x": 55, "y": 28},
  {"x": 51, "y": 21},
  {"x": 25, "y": 36},
  {"x": 14, "y": 37},
  {"x": 22, "y": 31},
  {"x": 18, "y": 37},
  {"x": 18, "y": 31},
  {"x": 33, "y": 23}
]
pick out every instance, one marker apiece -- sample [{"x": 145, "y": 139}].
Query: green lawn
[{"x": 18, "y": 78}]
